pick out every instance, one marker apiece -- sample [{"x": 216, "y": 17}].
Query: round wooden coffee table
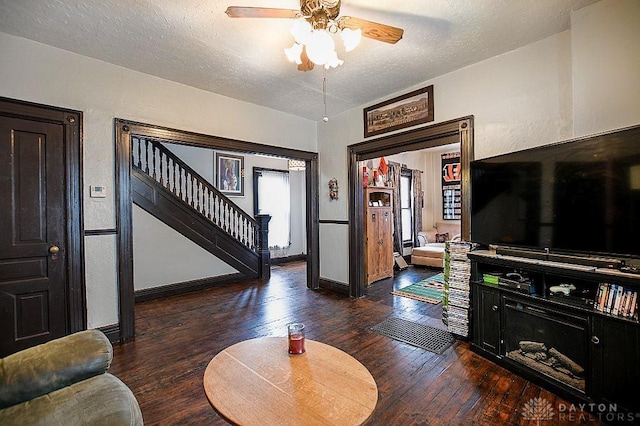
[{"x": 257, "y": 382}]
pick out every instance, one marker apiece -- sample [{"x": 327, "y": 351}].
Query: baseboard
[
  {"x": 333, "y": 286},
  {"x": 112, "y": 332},
  {"x": 185, "y": 287},
  {"x": 287, "y": 259}
]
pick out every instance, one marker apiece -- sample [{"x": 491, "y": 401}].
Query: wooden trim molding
[
  {"x": 287, "y": 259},
  {"x": 185, "y": 287},
  {"x": 334, "y": 286},
  {"x": 112, "y": 332},
  {"x": 452, "y": 131},
  {"x": 312, "y": 174},
  {"x": 94, "y": 232},
  {"x": 124, "y": 225},
  {"x": 334, "y": 222},
  {"x": 71, "y": 121},
  {"x": 123, "y": 131}
]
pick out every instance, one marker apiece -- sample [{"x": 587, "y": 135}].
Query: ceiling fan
[{"x": 321, "y": 18}]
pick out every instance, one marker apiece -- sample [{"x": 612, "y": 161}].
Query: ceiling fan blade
[
  {"x": 374, "y": 30},
  {"x": 261, "y": 12}
]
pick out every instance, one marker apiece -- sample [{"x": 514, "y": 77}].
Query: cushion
[
  {"x": 442, "y": 238},
  {"x": 100, "y": 400},
  {"x": 431, "y": 235},
  {"x": 53, "y": 365},
  {"x": 451, "y": 227},
  {"x": 433, "y": 250}
]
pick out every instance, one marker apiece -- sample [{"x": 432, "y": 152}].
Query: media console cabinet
[{"x": 563, "y": 342}]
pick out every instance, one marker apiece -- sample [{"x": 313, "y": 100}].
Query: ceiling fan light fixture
[
  {"x": 351, "y": 38},
  {"x": 333, "y": 61},
  {"x": 320, "y": 47},
  {"x": 301, "y": 31},
  {"x": 316, "y": 21},
  {"x": 294, "y": 53}
]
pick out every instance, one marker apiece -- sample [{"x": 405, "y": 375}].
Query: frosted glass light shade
[
  {"x": 320, "y": 47},
  {"x": 293, "y": 53},
  {"x": 301, "y": 31},
  {"x": 350, "y": 38},
  {"x": 333, "y": 61}
]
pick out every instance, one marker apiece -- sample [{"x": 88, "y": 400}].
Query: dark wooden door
[{"x": 33, "y": 303}]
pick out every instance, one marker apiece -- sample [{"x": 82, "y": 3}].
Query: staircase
[{"x": 167, "y": 188}]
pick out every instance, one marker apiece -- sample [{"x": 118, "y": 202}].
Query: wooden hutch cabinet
[{"x": 378, "y": 231}]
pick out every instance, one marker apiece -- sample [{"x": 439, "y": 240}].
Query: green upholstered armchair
[{"x": 64, "y": 382}]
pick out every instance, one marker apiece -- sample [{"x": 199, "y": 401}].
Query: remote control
[{"x": 630, "y": 269}]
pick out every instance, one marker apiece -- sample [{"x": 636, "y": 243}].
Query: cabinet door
[
  {"x": 616, "y": 362},
  {"x": 486, "y": 302},
  {"x": 371, "y": 246},
  {"x": 386, "y": 243}
]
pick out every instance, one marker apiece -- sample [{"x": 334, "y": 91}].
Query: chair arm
[{"x": 42, "y": 369}]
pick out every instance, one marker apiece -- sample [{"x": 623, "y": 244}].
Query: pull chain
[{"x": 324, "y": 96}]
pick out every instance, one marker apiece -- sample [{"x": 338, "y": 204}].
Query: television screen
[{"x": 580, "y": 196}]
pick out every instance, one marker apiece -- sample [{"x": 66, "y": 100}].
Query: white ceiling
[{"x": 195, "y": 43}]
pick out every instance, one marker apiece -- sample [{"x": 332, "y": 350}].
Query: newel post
[{"x": 263, "y": 245}]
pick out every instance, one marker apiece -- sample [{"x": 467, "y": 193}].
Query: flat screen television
[{"x": 577, "y": 197}]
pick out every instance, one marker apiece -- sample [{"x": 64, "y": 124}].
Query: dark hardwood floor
[{"x": 176, "y": 338}]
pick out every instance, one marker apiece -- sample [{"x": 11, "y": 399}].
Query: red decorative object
[{"x": 383, "y": 166}]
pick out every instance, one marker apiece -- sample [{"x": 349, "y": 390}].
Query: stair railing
[{"x": 158, "y": 162}]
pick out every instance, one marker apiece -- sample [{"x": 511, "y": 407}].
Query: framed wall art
[
  {"x": 407, "y": 110},
  {"x": 451, "y": 186},
  {"x": 230, "y": 174}
]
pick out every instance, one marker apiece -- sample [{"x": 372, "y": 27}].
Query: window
[
  {"x": 273, "y": 197},
  {"x": 406, "y": 210}
]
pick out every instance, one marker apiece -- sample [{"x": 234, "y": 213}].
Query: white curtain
[{"x": 274, "y": 198}]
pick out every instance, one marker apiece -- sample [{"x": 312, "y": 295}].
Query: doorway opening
[
  {"x": 125, "y": 130},
  {"x": 446, "y": 133}
]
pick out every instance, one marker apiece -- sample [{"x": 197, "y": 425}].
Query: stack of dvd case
[{"x": 455, "y": 300}]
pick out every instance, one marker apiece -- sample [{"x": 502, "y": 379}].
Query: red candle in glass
[{"x": 296, "y": 338}]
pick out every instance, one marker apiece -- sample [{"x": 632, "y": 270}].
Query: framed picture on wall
[
  {"x": 230, "y": 174},
  {"x": 451, "y": 186},
  {"x": 403, "y": 111}
]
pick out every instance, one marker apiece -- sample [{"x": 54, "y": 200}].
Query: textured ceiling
[{"x": 195, "y": 43}]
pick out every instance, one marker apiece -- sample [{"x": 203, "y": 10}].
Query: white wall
[
  {"x": 606, "y": 66},
  {"x": 520, "y": 99},
  {"x": 163, "y": 256},
  {"x": 298, "y": 185},
  {"x": 46, "y": 75}
]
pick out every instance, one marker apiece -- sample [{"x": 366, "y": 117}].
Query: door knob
[{"x": 54, "y": 249}]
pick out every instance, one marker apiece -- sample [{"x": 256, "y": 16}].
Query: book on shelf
[{"x": 618, "y": 300}]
